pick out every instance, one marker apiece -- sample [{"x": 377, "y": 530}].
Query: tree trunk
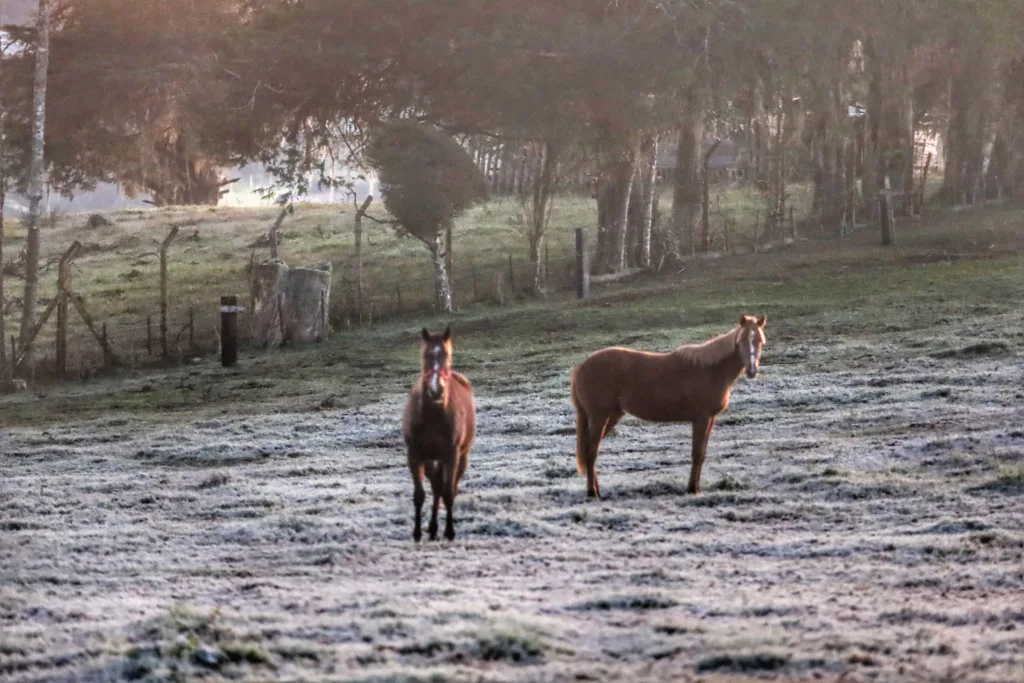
[
  {"x": 3, "y": 200},
  {"x": 705, "y": 199},
  {"x": 605, "y": 195},
  {"x": 625, "y": 175},
  {"x": 686, "y": 191},
  {"x": 760, "y": 135},
  {"x": 36, "y": 170},
  {"x": 614, "y": 188},
  {"x": 543, "y": 186},
  {"x": 908, "y": 144},
  {"x": 649, "y": 183},
  {"x": 853, "y": 148},
  {"x": 448, "y": 247},
  {"x": 779, "y": 194},
  {"x": 1012, "y": 172},
  {"x": 872, "y": 174},
  {"x": 442, "y": 285},
  {"x": 998, "y": 166},
  {"x": 968, "y": 126},
  {"x": 819, "y": 174}
]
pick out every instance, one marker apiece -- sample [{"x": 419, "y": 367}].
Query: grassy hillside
[
  {"x": 118, "y": 270},
  {"x": 937, "y": 274}
]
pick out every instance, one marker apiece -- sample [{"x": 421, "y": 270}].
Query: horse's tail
[{"x": 582, "y": 426}]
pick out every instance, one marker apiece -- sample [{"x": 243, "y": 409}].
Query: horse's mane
[{"x": 710, "y": 352}]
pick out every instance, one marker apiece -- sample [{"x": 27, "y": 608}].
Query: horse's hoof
[
  {"x": 450, "y": 534},
  {"x": 416, "y": 537}
]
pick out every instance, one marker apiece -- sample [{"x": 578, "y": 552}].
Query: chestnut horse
[
  {"x": 690, "y": 384},
  {"x": 439, "y": 425}
]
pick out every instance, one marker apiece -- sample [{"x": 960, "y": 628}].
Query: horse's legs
[
  {"x": 418, "y": 495},
  {"x": 701, "y": 432},
  {"x": 598, "y": 431},
  {"x": 595, "y": 432},
  {"x": 448, "y": 492},
  {"x": 436, "y": 480}
]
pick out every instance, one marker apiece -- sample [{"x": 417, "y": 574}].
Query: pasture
[{"x": 863, "y": 513}]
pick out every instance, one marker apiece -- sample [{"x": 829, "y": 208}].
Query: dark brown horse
[
  {"x": 439, "y": 425},
  {"x": 690, "y": 384}
]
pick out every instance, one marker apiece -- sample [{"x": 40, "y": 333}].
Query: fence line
[{"x": 176, "y": 333}]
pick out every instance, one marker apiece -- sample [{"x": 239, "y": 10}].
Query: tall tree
[
  {"x": 36, "y": 177},
  {"x": 4, "y": 369},
  {"x": 426, "y": 180}
]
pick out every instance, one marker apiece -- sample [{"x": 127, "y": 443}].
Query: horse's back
[
  {"x": 615, "y": 364},
  {"x": 650, "y": 386}
]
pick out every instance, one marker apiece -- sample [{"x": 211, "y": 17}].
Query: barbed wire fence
[{"x": 175, "y": 332}]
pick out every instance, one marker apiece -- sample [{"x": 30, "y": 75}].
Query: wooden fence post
[
  {"x": 582, "y": 274},
  {"x": 63, "y": 287},
  {"x": 229, "y": 310},
  {"x": 191, "y": 330},
  {"x": 149, "y": 335},
  {"x": 163, "y": 290},
  {"x": 511, "y": 276},
  {"x": 357, "y": 225}
]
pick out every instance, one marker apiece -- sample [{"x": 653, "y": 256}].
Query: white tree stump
[
  {"x": 307, "y": 301},
  {"x": 289, "y": 304}
]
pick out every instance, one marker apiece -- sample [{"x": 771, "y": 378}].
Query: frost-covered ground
[{"x": 863, "y": 520}]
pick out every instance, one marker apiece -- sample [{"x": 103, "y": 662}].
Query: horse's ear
[
  {"x": 447, "y": 333},
  {"x": 762, "y": 320},
  {"x": 426, "y": 335},
  {"x": 744, "y": 319}
]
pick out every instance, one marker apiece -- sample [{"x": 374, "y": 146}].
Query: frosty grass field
[{"x": 863, "y": 516}]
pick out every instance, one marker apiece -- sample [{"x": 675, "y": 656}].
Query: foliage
[{"x": 426, "y": 178}]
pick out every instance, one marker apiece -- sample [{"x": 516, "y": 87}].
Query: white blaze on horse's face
[
  {"x": 753, "y": 339},
  {"x": 435, "y": 360}
]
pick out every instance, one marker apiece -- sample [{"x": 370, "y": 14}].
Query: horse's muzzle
[{"x": 751, "y": 373}]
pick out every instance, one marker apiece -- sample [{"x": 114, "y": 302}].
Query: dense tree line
[{"x": 158, "y": 95}]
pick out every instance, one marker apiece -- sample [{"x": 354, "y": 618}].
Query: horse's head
[
  {"x": 436, "y": 363},
  {"x": 749, "y": 342}
]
